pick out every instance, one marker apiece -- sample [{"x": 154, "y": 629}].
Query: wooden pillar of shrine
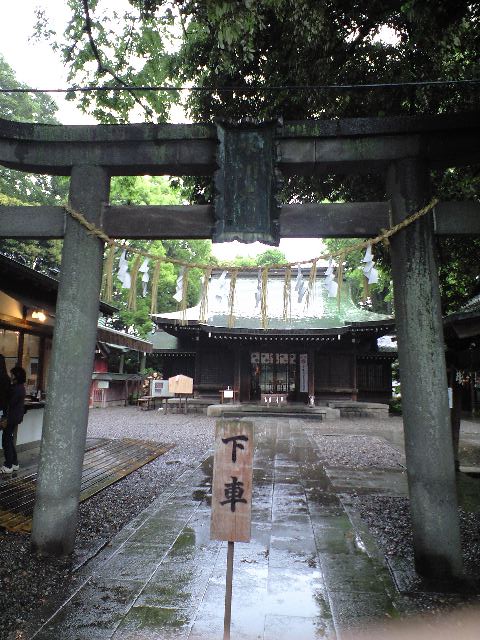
[
  {"x": 354, "y": 374},
  {"x": 237, "y": 371},
  {"x": 311, "y": 373}
]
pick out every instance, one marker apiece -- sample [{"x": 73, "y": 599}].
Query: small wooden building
[
  {"x": 462, "y": 338},
  {"x": 113, "y": 385},
  {"x": 27, "y": 319},
  {"x": 327, "y": 349}
]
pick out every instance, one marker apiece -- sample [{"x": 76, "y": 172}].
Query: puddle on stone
[{"x": 359, "y": 544}]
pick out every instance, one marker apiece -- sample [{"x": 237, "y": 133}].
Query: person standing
[
  {"x": 4, "y": 387},
  {"x": 15, "y": 413}
]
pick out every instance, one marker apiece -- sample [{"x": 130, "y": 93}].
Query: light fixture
[{"x": 39, "y": 315}]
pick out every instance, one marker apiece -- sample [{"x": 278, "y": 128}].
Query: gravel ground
[
  {"x": 192, "y": 436},
  {"x": 389, "y": 522},
  {"x": 359, "y": 452},
  {"x": 27, "y": 583},
  {"x": 388, "y": 518}
]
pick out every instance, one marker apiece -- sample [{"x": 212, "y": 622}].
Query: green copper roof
[{"x": 322, "y": 312}]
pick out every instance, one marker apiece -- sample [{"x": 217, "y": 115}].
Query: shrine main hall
[{"x": 328, "y": 348}]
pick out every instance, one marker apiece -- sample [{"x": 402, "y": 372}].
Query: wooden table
[
  {"x": 232, "y": 397},
  {"x": 178, "y": 401}
]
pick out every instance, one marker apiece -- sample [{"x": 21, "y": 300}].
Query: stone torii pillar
[
  {"x": 70, "y": 374},
  {"x": 428, "y": 440}
]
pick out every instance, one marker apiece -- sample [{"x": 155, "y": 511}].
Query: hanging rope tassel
[
  {"x": 155, "y": 280},
  {"x": 231, "y": 298},
  {"x": 311, "y": 284},
  {"x": 132, "y": 294},
  {"x": 287, "y": 294},
  {"x": 341, "y": 258},
  {"x": 183, "y": 304},
  {"x": 207, "y": 274},
  {"x": 107, "y": 286},
  {"x": 385, "y": 240},
  {"x": 263, "y": 302}
]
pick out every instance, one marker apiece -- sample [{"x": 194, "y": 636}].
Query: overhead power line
[{"x": 245, "y": 89}]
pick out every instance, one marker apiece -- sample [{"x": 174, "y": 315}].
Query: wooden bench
[{"x": 146, "y": 402}]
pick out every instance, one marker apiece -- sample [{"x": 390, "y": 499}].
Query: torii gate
[{"x": 400, "y": 149}]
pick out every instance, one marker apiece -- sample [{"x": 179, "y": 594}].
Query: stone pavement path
[{"x": 305, "y": 574}]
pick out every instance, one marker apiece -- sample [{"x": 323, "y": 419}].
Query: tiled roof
[{"x": 472, "y": 305}]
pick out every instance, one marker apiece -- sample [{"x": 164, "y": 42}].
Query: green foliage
[
  {"x": 243, "y": 44},
  {"x": 147, "y": 190},
  {"x": 395, "y": 406},
  {"x": 43, "y": 255},
  {"x": 108, "y": 47},
  {"x": 142, "y": 190},
  {"x": 268, "y": 257},
  {"x": 26, "y": 107},
  {"x": 458, "y": 257},
  {"x": 244, "y": 261},
  {"x": 18, "y": 188},
  {"x": 23, "y": 107},
  {"x": 271, "y": 256},
  {"x": 380, "y": 295}
]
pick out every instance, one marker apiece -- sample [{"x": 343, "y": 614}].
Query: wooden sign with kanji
[{"x": 232, "y": 481}]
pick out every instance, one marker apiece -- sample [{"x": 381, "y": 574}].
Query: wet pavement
[{"x": 309, "y": 572}]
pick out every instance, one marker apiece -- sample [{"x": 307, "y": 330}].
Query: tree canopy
[
  {"x": 147, "y": 190},
  {"x": 253, "y": 58},
  {"x": 19, "y": 188}
]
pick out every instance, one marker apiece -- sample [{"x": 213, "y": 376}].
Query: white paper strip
[
  {"x": 222, "y": 287},
  {"x": 178, "y": 295},
  {"x": 300, "y": 287},
  {"x": 368, "y": 254},
  {"x": 373, "y": 276},
  {"x": 258, "y": 292},
  {"x": 332, "y": 289},
  {"x": 123, "y": 274},
  {"x": 330, "y": 284},
  {"x": 145, "y": 277}
]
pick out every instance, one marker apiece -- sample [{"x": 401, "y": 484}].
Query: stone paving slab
[{"x": 305, "y": 573}]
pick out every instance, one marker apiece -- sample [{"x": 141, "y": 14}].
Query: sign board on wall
[
  {"x": 303, "y": 373},
  {"x": 232, "y": 481},
  {"x": 159, "y": 389},
  {"x": 103, "y": 384}
]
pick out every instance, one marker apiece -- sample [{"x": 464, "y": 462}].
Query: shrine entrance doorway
[{"x": 274, "y": 373}]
